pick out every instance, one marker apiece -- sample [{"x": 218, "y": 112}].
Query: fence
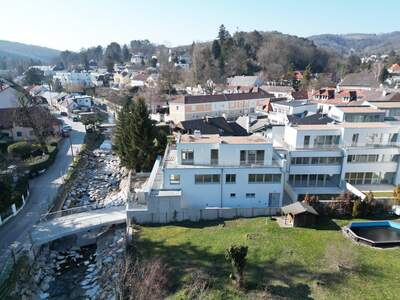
[
  {"x": 14, "y": 208},
  {"x": 144, "y": 216}
]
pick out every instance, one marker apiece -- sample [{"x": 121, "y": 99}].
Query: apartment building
[
  {"x": 323, "y": 159},
  {"x": 231, "y": 106},
  {"x": 206, "y": 171}
]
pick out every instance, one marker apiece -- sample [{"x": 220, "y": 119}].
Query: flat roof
[
  {"x": 294, "y": 103},
  {"x": 343, "y": 125},
  {"x": 215, "y": 138},
  {"x": 391, "y": 104},
  {"x": 359, "y": 109}
]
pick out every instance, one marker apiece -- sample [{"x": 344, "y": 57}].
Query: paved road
[
  {"x": 51, "y": 230},
  {"x": 42, "y": 190}
]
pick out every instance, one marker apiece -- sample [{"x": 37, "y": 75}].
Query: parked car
[
  {"x": 63, "y": 113},
  {"x": 67, "y": 128}
]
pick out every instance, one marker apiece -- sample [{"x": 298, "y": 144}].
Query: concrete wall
[{"x": 195, "y": 215}]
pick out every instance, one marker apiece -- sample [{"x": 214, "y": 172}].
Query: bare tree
[{"x": 142, "y": 280}]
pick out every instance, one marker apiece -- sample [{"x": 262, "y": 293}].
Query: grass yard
[
  {"x": 383, "y": 194},
  {"x": 294, "y": 263}
]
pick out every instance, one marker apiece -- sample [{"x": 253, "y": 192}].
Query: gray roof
[
  {"x": 277, "y": 88},
  {"x": 248, "y": 81},
  {"x": 294, "y": 103},
  {"x": 189, "y": 99},
  {"x": 362, "y": 79},
  {"x": 298, "y": 208}
]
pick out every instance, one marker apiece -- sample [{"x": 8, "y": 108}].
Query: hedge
[{"x": 43, "y": 162}]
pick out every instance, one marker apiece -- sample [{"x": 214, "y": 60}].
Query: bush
[
  {"x": 20, "y": 150},
  {"x": 5, "y": 194}
]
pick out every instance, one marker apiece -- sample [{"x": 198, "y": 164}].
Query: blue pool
[{"x": 377, "y": 233}]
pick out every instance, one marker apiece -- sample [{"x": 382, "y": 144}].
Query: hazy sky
[{"x": 73, "y": 24}]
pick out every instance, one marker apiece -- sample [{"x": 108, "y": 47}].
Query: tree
[
  {"x": 216, "y": 49},
  {"x": 169, "y": 76},
  {"x": 114, "y": 52},
  {"x": 358, "y": 209},
  {"x": 384, "y": 74},
  {"x": 223, "y": 34},
  {"x": 126, "y": 55},
  {"x": 20, "y": 150},
  {"x": 33, "y": 76},
  {"x": 6, "y": 193},
  {"x": 136, "y": 137},
  {"x": 396, "y": 195},
  {"x": 305, "y": 81},
  {"x": 236, "y": 255}
]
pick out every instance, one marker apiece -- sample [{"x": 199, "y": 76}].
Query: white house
[
  {"x": 74, "y": 79},
  {"x": 323, "y": 158},
  {"x": 221, "y": 171}
]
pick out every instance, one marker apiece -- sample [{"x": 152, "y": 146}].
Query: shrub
[
  {"x": 21, "y": 150},
  {"x": 5, "y": 194},
  {"x": 358, "y": 209},
  {"x": 237, "y": 257}
]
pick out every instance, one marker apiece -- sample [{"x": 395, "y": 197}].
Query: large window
[
  {"x": 326, "y": 140},
  {"x": 250, "y": 157},
  {"x": 174, "y": 179},
  {"x": 315, "y": 160},
  {"x": 187, "y": 157},
  {"x": 306, "y": 141},
  {"x": 304, "y": 180},
  {"x": 363, "y": 158},
  {"x": 250, "y": 195},
  {"x": 207, "y": 179},
  {"x": 370, "y": 177},
  {"x": 230, "y": 178},
  {"x": 264, "y": 178},
  {"x": 214, "y": 156}
]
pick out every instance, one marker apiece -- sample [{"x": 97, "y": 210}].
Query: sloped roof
[
  {"x": 298, "y": 208},
  {"x": 217, "y": 125},
  {"x": 243, "y": 81},
  {"x": 314, "y": 119},
  {"x": 361, "y": 79},
  {"x": 260, "y": 94},
  {"x": 11, "y": 116}
]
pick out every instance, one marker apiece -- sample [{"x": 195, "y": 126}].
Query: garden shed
[{"x": 299, "y": 214}]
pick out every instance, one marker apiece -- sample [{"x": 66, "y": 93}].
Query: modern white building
[
  {"x": 205, "y": 171},
  {"x": 322, "y": 159},
  {"x": 74, "y": 79}
]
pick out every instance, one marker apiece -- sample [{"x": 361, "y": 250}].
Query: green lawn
[
  {"x": 383, "y": 194},
  {"x": 295, "y": 263}
]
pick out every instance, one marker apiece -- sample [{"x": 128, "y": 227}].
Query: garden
[{"x": 193, "y": 261}]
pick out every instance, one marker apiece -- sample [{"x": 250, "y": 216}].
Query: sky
[{"x": 76, "y": 24}]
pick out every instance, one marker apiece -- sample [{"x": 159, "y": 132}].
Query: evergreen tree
[
  {"x": 383, "y": 75},
  {"x": 136, "y": 138},
  {"x": 126, "y": 55},
  {"x": 216, "y": 49}
]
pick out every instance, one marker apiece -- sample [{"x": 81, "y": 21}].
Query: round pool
[{"x": 376, "y": 233}]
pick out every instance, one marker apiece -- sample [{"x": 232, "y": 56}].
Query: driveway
[{"x": 42, "y": 189}]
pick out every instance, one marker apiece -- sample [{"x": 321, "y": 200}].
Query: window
[
  {"x": 354, "y": 139},
  {"x": 306, "y": 141},
  {"x": 233, "y": 195},
  {"x": 230, "y": 178},
  {"x": 248, "y": 157},
  {"x": 174, "y": 179},
  {"x": 274, "y": 199},
  {"x": 187, "y": 157},
  {"x": 250, "y": 195},
  {"x": 214, "y": 156},
  {"x": 19, "y": 133},
  {"x": 206, "y": 179},
  {"x": 264, "y": 178}
]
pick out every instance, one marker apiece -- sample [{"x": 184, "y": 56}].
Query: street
[{"x": 43, "y": 189}]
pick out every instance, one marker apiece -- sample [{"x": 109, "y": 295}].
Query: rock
[
  {"x": 91, "y": 293},
  {"x": 44, "y": 286},
  {"x": 43, "y": 295}
]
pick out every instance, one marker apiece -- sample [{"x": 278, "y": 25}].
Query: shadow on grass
[
  {"x": 325, "y": 223},
  {"x": 289, "y": 279},
  {"x": 190, "y": 224}
]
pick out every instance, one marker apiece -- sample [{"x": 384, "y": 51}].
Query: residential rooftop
[
  {"x": 217, "y": 139},
  {"x": 198, "y": 99},
  {"x": 360, "y": 125},
  {"x": 386, "y": 104},
  {"x": 359, "y": 109}
]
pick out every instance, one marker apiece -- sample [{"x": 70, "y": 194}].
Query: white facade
[
  {"x": 74, "y": 79},
  {"x": 322, "y": 158},
  {"x": 214, "y": 171},
  {"x": 294, "y": 107}
]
